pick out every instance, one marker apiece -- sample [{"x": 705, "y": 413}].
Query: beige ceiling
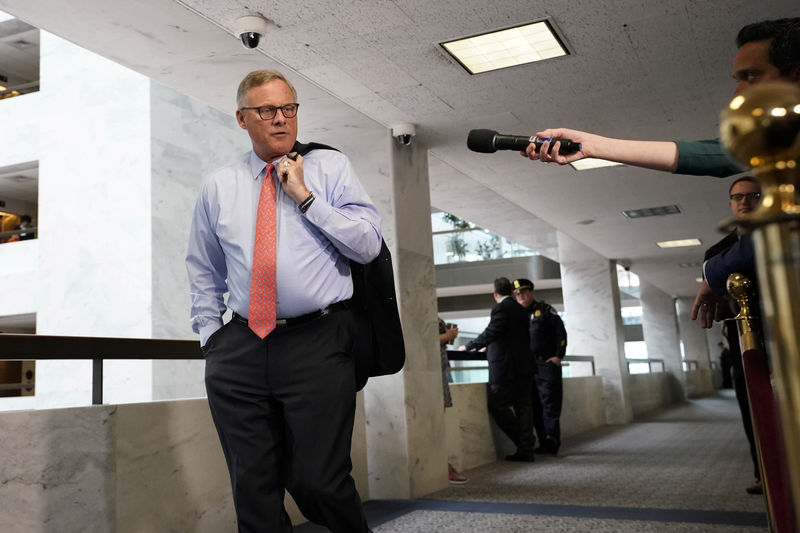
[{"x": 637, "y": 69}]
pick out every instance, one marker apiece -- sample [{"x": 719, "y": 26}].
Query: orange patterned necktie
[{"x": 263, "y": 291}]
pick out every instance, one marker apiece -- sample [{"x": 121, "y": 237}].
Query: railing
[
  {"x": 645, "y": 366},
  {"x": 461, "y": 356},
  {"x": 18, "y": 347},
  {"x": 11, "y": 233},
  {"x": 689, "y": 364}
]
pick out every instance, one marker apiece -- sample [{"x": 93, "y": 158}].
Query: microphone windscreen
[{"x": 482, "y": 141}]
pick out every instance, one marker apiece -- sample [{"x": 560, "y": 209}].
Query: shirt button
[{"x": 316, "y": 219}]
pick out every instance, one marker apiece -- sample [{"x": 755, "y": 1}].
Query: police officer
[{"x": 548, "y": 340}]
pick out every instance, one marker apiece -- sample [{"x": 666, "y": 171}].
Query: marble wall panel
[
  {"x": 473, "y": 439},
  {"x": 21, "y": 142},
  {"x": 592, "y": 319},
  {"x": 651, "y": 392},
  {"x": 469, "y": 420},
  {"x": 660, "y": 328},
  {"x": 387, "y": 439},
  {"x": 698, "y": 383},
  {"x": 171, "y": 474},
  {"x": 583, "y": 407},
  {"x": 94, "y": 212},
  {"x": 189, "y": 140},
  {"x": 19, "y": 277},
  {"x": 427, "y": 457},
  {"x": 134, "y": 468},
  {"x": 58, "y": 470}
]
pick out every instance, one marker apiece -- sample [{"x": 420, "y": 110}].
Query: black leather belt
[{"x": 294, "y": 321}]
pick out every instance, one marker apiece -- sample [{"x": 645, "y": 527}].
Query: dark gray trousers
[
  {"x": 509, "y": 404},
  {"x": 284, "y": 407}
]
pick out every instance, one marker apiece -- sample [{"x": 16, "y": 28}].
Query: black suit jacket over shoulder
[{"x": 378, "y": 347}]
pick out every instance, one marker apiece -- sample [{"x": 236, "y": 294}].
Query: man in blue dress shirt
[{"x": 283, "y": 405}]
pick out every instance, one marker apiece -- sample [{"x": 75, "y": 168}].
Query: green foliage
[
  {"x": 458, "y": 223},
  {"x": 458, "y": 246}
]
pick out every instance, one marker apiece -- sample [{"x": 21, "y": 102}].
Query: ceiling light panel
[
  {"x": 679, "y": 243},
  {"x": 506, "y": 48},
  {"x": 589, "y": 163},
  {"x": 651, "y": 211}
]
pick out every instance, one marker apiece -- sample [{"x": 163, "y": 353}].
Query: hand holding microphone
[
  {"x": 559, "y": 145},
  {"x": 489, "y": 141}
]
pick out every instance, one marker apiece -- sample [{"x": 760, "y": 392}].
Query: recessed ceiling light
[
  {"x": 679, "y": 243},
  {"x": 506, "y": 48},
  {"x": 589, "y": 163},
  {"x": 651, "y": 211}
]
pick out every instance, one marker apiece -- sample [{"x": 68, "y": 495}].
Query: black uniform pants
[
  {"x": 548, "y": 394},
  {"x": 284, "y": 407},
  {"x": 509, "y": 404}
]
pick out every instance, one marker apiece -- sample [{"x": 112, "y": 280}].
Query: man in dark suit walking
[{"x": 511, "y": 367}]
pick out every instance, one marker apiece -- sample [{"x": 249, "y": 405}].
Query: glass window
[{"x": 456, "y": 240}]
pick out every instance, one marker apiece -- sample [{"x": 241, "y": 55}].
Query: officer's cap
[{"x": 522, "y": 283}]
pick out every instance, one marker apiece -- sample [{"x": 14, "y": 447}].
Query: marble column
[
  {"x": 94, "y": 218},
  {"x": 404, "y": 412},
  {"x": 593, "y": 322},
  {"x": 695, "y": 347},
  {"x": 660, "y": 327}
]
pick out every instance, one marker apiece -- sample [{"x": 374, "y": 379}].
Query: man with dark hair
[
  {"x": 783, "y": 39},
  {"x": 734, "y": 253},
  {"x": 768, "y": 51},
  {"x": 548, "y": 341},
  {"x": 508, "y": 393}
]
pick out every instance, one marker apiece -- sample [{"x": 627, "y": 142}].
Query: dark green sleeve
[{"x": 705, "y": 158}]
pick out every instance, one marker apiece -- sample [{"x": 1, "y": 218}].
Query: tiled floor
[{"x": 682, "y": 470}]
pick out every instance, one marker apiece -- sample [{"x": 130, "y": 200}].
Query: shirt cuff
[
  {"x": 318, "y": 211},
  {"x": 208, "y": 330}
]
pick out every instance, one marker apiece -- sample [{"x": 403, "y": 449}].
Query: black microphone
[{"x": 489, "y": 141}]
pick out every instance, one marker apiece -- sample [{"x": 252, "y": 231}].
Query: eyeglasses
[
  {"x": 268, "y": 112},
  {"x": 749, "y": 195}
]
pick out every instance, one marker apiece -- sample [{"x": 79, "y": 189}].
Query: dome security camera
[
  {"x": 404, "y": 133},
  {"x": 250, "y": 29}
]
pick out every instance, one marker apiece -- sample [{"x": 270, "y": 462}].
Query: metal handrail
[
  {"x": 12, "y": 232},
  {"x": 649, "y": 363},
  {"x": 461, "y": 355},
  {"x": 24, "y": 347}
]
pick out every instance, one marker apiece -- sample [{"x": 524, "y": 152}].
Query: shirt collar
[{"x": 257, "y": 165}]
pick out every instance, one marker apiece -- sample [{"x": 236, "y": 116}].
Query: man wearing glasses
[
  {"x": 276, "y": 231},
  {"x": 744, "y": 198}
]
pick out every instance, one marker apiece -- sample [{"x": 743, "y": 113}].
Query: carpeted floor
[{"x": 683, "y": 469}]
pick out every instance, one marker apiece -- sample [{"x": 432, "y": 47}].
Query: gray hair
[{"x": 256, "y": 78}]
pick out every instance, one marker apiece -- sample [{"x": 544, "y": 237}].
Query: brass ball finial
[
  {"x": 761, "y": 127},
  {"x": 738, "y": 286}
]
